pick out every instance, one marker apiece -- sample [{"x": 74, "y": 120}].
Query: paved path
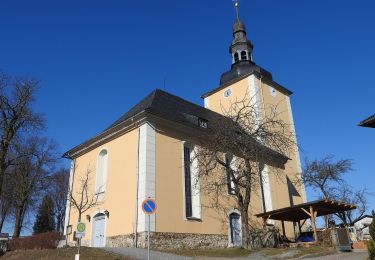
[
  {"x": 141, "y": 254},
  {"x": 355, "y": 255}
]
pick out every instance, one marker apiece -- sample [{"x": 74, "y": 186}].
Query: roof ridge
[
  {"x": 180, "y": 98},
  {"x": 153, "y": 94}
]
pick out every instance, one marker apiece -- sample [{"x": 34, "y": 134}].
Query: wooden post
[
  {"x": 299, "y": 227},
  {"x": 283, "y": 226},
  {"x": 313, "y": 223}
]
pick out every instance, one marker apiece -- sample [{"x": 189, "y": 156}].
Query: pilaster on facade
[
  {"x": 68, "y": 206},
  {"x": 146, "y": 174},
  {"x": 296, "y": 150},
  {"x": 267, "y": 191},
  {"x": 256, "y": 103}
]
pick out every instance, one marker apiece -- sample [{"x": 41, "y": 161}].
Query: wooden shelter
[{"x": 304, "y": 211}]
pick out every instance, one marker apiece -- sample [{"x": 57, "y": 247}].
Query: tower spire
[
  {"x": 241, "y": 50},
  {"x": 236, "y": 5}
]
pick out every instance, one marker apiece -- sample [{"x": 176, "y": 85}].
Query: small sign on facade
[{"x": 81, "y": 230}]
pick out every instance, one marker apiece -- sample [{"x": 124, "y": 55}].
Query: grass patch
[
  {"x": 317, "y": 251},
  {"x": 220, "y": 252},
  {"x": 62, "y": 254}
]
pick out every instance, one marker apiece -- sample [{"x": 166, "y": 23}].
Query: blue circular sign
[{"x": 149, "y": 206}]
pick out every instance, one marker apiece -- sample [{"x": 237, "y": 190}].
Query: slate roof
[
  {"x": 369, "y": 122},
  {"x": 170, "y": 107},
  {"x": 161, "y": 104}
]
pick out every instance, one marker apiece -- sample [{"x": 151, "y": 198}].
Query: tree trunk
[
  {"x": 245, "y": 228},
  {"x": 2, "y": 173},
  {"x": 20, "y": 213},
  {"x": 4, "y": 215},
  {"x": 18, "y": 223},
  {"x": 58, "y": 224},
  {"x": 2, "y": 222}
]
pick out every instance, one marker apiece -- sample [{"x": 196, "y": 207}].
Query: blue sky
[{"x": 95, "y": 59}]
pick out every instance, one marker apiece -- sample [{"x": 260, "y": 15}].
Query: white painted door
[
  {"x": 98, "y": 231},
  {"x": 235, "y": 229}
]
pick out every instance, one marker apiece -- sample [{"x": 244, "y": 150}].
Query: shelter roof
[
  {"x": 368, "y": 122},
  {"x": 300, "y": 212}
]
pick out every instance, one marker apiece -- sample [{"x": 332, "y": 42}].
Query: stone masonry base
[{"x": 170, "y": 240}]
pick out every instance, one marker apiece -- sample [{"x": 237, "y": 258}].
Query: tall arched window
[
  {"x": 191, "y": 182},
  {"x": 101, "y": 171}
]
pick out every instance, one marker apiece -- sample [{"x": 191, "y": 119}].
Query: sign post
[
  {"x": 81, "y": 231},
  {"x": 149, "y": 207}
]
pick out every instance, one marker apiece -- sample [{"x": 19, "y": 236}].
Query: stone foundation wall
[
  {"x": 170, "y": 240},
  {"x": 325, "y": 237}
]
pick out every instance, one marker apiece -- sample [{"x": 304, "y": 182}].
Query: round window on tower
[
  {"x": 227, "y": 92},
  {"x": 273, "y": 92}
]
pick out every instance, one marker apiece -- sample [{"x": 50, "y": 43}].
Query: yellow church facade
[{"x": 144, "y": 154}]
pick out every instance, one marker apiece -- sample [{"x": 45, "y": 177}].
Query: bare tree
[
  {"x": 6, "y": 201},
  {"x": 325, "y": 174},
  {"x": 327, "y": 177},
  {"x": 349, "y": 195},
  {"x": 17, "y": 115},
  {"x": 256, "y": 140},
  {"x": 30, "y": 176},
  {"x": 83, "y": 197},
  {"x": 58, "y": 191}
]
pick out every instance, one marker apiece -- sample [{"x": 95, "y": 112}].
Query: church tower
[{"x": 246, "y": 80}]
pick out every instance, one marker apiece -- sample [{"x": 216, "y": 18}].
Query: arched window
[
  {"x": 101, "y": 171},
  {"x": 236, "y": 57},
  {"x": 243, "y": 55},
  {"x": 191, "y": 182}
]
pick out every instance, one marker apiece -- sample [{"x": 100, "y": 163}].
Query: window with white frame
[
  {"x": 191, "y": 183},
  {"x": 101, "y": 171}
]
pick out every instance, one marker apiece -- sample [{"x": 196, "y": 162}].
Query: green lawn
[{"x": 62, "y": 254}]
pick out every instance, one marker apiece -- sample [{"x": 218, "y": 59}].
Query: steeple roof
[{"x": 241, "y": 50}]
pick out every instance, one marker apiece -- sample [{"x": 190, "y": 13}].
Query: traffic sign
[
  {"x": 149, "y": 206},
  {"x": 81, "y": 230}
]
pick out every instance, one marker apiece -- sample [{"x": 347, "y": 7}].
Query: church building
[{"x": 146, "y": 153}]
